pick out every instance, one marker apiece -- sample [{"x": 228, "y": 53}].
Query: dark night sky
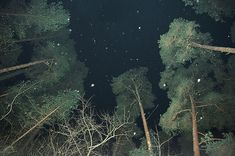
[{"x": 113, "y": 36}]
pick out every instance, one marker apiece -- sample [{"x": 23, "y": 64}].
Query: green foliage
[
  {"x": 38, "y": 16},
  {"x": 142, "y": 150},
  {"x": 124, "y": 88},
  {"x": 30, "y": 105},
  {"x": 179, "y": 101},
  {"x": 176, "y": 46},
  {"x": 32, "y": 110},
  {"x": 44, "y": 16},
  {"x": 6, "y": 35},
  {"x": 201, "y": 75},
  {"x": 224, "y": 147},
  {"x": 74, "y": 78},
  {"x": 9, "y": 51},
  {"x": 57, "y": 83},
  {"x": 61, "y": 57},
  {"x": 220, "y": 111},
  {"x": 139, "y": 152},
  {"x": 217, "y": 9}
]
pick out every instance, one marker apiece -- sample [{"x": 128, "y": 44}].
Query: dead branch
[{"x": 22, "y": 66}]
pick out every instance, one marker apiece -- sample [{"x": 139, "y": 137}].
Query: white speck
[
  {"x": 68, "y": 19},
  {"x": 92, "y": 85},
  {"x": 106, "y": 48},
  {"x": 123, "y": 33},
  {"x": 198, "y": 80},
  {"x": 134, "y": 133},
  {"x": 137, "y": 11},
  {"x": 164, "y": 85},
  {"x": 70, "y": 30},
  {"x": 139, "y": 27},
  {"x": 201, "y": 117},
  {"x": 94, "y": 41},
  {"x": 137, "y": 59},
  {"x": 55, "y": 63},
  {"x": 58, "y": 44},
  {"x": 197, "y": 1},
  {"x": 77, "y": 91}
]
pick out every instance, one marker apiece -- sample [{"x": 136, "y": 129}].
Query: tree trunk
[
  {"x": 36, "y": 125},
  {"x": 22, "y": 66},
  {"x": 196, "y": 149},
  {"x": 214, "y": 48},
  {"x": 146, "y": 129}
]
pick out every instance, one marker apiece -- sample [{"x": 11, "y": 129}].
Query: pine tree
[
  {"x": 195, "y": 83},
  {"x": 134, "y": 93}
]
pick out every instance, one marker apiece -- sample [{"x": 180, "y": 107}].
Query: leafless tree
[{"x": 86, "y": 136}]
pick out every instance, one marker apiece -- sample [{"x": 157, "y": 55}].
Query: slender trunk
[
  {"x": 36, "y": 125},
  {"x": 214, "y": 48},
  {"x": 196, "y": 149},
  {"x": 146, "y": 129},
  {"x": 22, "y": 66}
]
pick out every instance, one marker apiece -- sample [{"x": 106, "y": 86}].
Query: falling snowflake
[
  {"x": 198, "y": 80},
  {"x": 92, "y": 85}
]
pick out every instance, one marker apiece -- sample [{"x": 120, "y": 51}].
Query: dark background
[{"x": 113, "y": 36}]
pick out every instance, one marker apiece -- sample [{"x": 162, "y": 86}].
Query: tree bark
[
  {"x": 214, "y": 48},
  {"x": 196, "y": 149},
  {"x": 21, "y": 66},
  {"x": 146, "y": 129}
]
